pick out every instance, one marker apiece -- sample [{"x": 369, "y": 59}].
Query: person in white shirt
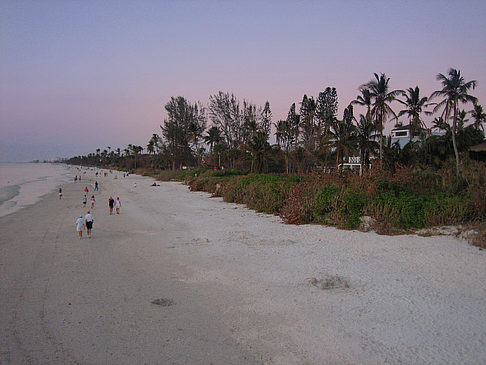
[
  {"x": 79, "y": 226},
  {"x": 88, "y": 220},
  {"x": 117, "y": 205}
]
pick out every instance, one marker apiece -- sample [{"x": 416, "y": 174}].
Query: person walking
[
  {"x": 96, "y": 186},
  {"x": 88, "y": 220},
  {"x": 79, "y": 226},
  {"x": 86, "y": 189},
  {"x": 117, "y": 205},
  {"x": 93, "y": 201},
  {"x": 85, "y": 200},
  {"x": 60, "y": 193},
  {"x": 111, "y": 203}
]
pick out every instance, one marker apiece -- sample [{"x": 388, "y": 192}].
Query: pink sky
[{"x": 76, "y": 76}]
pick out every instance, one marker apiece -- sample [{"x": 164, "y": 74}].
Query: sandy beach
[{"x": 231, "y": 286}]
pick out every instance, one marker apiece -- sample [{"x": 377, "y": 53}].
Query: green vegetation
[{"x": 397, "y": 202}]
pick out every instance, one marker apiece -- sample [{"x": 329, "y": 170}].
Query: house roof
[
  {"x": 478, "y": 148},
  {"x": 402, "y": 128}
]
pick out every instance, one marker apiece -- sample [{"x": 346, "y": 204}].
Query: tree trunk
[
  {"x": 454, "y": 144},
  {"x": 380, "y": 126},
  {"x": 287, "y": 162},
  {"x": 361, "y": 162}
]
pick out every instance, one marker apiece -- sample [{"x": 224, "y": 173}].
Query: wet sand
[{"x": 233, "y": 286}]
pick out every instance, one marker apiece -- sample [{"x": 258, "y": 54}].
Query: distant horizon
[{"x": 76, "y": 76}]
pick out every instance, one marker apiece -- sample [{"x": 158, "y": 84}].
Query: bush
[{"x": 405, "y": 200}]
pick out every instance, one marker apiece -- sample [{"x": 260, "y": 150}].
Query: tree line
[{"x": 236, "y": 134}]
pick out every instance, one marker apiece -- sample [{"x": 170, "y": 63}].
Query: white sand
[{"x": 240, "y": 284}]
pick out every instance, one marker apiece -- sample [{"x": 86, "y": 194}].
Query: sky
[{"x": 80, "y": 75}]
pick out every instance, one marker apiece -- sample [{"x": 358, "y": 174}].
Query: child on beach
[
  {"x": 111, "y": 203},
  {"x": 79, "y": 226},
  {"x": 85, "y": 200},
  {"x": 93, "y": 201},
  {"x": 86, "y": 189},
  {"x": 117, "y": 205},
  {"x": 60, "y": 193},
  {"x": 88, "y": 219}
]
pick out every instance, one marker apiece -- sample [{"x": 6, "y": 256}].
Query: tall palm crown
[
  {"x": 454, "y": 91},
  {"x": 382, "y": 96},
  {"x": 364, "y": 99},
  {"x": 414, "y": 105},
  {"x": 213, "y": 137}
]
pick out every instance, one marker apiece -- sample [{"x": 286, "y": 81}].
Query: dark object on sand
[{"x": 164, "y": 302}]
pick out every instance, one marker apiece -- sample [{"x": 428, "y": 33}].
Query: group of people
[
  {"x": 112, "y": 203},
  {"x": 87, "y": 220}
]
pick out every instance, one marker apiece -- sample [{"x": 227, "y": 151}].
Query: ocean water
[{"x": 23, "y": 184}]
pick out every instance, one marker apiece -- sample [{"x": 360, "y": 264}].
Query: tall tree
[
  {"x": 136, "y": 150},
  {"x": 307, "y": 122},
  {"x": 365, "y": 133},
  {"x": 455, "y": 90},
  {"x": 250, "y": 121},
  {"x": 225, "y": 113},
  {"x": 213, "y": 137},
  {"x": 326, "y": 110},
  {"x": 364, "y": 100},
  {"x": 153, "y": 146},
  {"x": 266, "y": 118},
  {"x": 294, "y": 121},
  {"x": 414, "y": 104},
  {"x": 176, "y": 129},
  {"x": 382, "y": 96},
  {"x": 259, "y": 148},
  {"x": 285, "y": 135},
  {"x": 343, "y": 135}
]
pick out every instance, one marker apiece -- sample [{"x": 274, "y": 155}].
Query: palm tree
[
  {"x": 195, "y": 131},
  {"x": 440, "y": 124},
  {"x": 343, "y": 134},
  {"x": 479, "y": 116},
  {"x": 364, "y": 99},
  {"x": 259, "y": 148},
  {"x": 213, "y": 137},
  {"x": 414, "y": 105},
  {"x": 382, "y": 97},
  {"x": 136, "y": 150},
  {"x": 462, "y": 119},
  {"x": 153, "y": 146},
  {"x": 454, "y": 91},
  {"x": 365, "y": 133}
]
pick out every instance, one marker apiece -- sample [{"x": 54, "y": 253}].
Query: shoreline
[
  {"x": 245, "y": 288},
  {"x": 19, "y": 191}
]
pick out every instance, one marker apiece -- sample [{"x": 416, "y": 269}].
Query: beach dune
[{"x": 182, "y": 278}]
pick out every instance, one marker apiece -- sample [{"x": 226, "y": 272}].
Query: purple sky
[{"x": 81, "y": 75}]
